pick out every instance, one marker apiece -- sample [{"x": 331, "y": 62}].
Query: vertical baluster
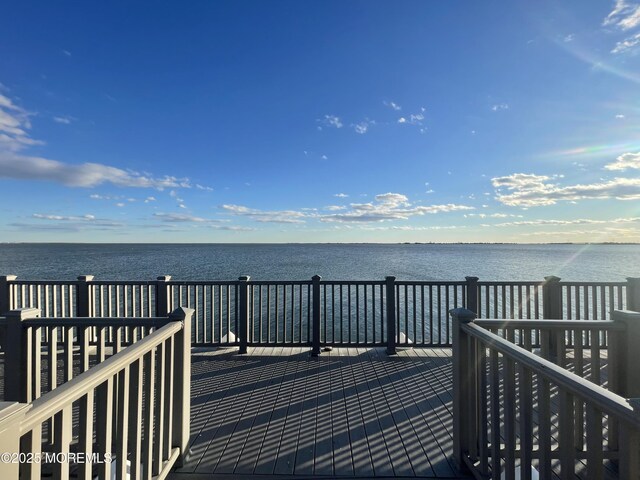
[
  {"x": 122, "y": 420},
  {"x": 148, "y": 414},
  {"x": 509, "y": 411},
  {"x": 68, "y": 353},
  {"x": 496, "y": 438},
  {"x": 158, "y": 447},
  {"x": 85, "y": 433},
  {"x": 31, "y": 444},
  {"x": 62, "y": 424},
  {"x": 104, "y": 424},
  {"x": 595, "y": 468},
  {"x": 168, "y": 397},
  {"x": 544, "y": 411}
]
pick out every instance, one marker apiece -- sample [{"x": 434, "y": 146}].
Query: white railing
[
  {"x": 519, "y": 415},
  {"x": 127, "y": 416}
]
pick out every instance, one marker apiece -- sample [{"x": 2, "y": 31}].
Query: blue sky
[{"x": 325, "y": 121}]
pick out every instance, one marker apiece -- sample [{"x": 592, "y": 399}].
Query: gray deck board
[{"x": 352, "y": 412}]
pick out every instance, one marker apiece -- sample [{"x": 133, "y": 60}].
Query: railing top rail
[
  {"x": 586, "y": 390},
  {"x": 96, "y": 322},
  {"x": 431, "y": 282},
  {"x": 551, "y": 324},
  {"x": 41, "y": 282},
  {"x": 499, "y": 283},
  {"x": 122, "y": 282},
  {"x": 279, "y": 282},
  {"x": 45, "y": 406},
  {"x": 353, "y": 282},
  {"x": 589, "y": 284},
  {"x": 186, "y": 283}
]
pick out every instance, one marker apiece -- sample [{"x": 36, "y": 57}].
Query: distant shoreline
[{"x": 319, "y": 243}]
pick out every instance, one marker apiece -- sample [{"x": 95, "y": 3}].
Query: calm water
[{"x": 335, "y": 262}]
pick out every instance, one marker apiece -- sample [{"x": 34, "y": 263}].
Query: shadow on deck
[{"x": 352, "y": 412}]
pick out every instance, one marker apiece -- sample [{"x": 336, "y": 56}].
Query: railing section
[
  {"x": 125, "y": 417},
  {"x": 525, "y": 413},
  {"x": 351, "y": 312}
]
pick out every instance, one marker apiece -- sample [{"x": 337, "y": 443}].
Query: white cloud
[
  {"x": 363, "y": 126},
  {"x": 388, "y": 206},
  {"x": 63, "y": 120},
  {"x": 500, "y": 106},
  {"x": 569, "y": 38},
  {"x": 277, "y": 216},
  {"x": 619, "y": 116},
  {"x": 202, "y": 187},
  {"x": 625, "y": 161},
  {"x": 149, "y": 199},
  {"x": 324, "y": 157},
  {"x": 624, "y": 15},
  {"x": 628, "y": 44},
  {"x": 82, "y": 218},
  {"x": 334, "y": 208},
  {"x": 529, "y": 190},
  {"x": 181, "y": 218},
  {"x": 402, "y": 120},
  {"x": 331, "y": 121},
  {"x": 14, "y": 125},
  {"x": 392, "y": 105},
  {"x": 22, "y": 167},
  {"x": 66, "y": 53},
  {"x": 341, "y": 195}
]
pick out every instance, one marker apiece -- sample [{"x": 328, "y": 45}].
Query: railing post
[
  {"x": 472, "y": 294},
  {"x": 552, "y": 298},
  {"x": 84, "y": 297},
  {"x": 633, "y": 294},
  {"x": 464, "y": 389},
  {"x": 315, "y": 317},
  {"x": 552, "y": 307},
  {"x": 182, "y": 382},
  {"x": 623, "y": 349},
  {"x": 162, "y": 296},
  {"x": 391, "y": 314},
  {"x": 6, "y": 303},
  {"x": 243, "y": 313},
  {"x": 17, "y": 360},
  {"x": 11, "y": 414}
]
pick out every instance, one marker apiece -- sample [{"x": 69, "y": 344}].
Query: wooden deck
[{"x": 352, "y": 412}]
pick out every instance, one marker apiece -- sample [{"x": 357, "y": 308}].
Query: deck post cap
[
  {"x": 85, "y": 278},
  {"x": 8, "y": 277},
  {"x": 316, "y": 278},
  {"x": 24, "y": 313},
  {"x": 244, "y": 278},
  {"x": 462, "y": 315},
  {"x": 163, "y": 278},
  {"x": 181, "y": 313},
  {"x": 471, "y": 279},
  {"x": 551, "y": 278},
  {"x": 633, "y": 279},
  {"x": 390, "y": 277}
]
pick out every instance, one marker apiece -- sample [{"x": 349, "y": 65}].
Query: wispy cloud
[
  {"x": 625, "y": 15},
  {"x": 341, "y": 195},
  {"x": 500, "y": 106},
  {"x": 66, "y": 53},
  {"x": 392, "y": 105},
  {"x": 331, "y": 121},
  {"x": 528, "y": 190},
  {"x": 416, "y": 119},
  {"x": 264, "y": 216},
  {"x": 625, "y": 161},
  {"x": 577, "y": 221},
  {"x": 64, "y": 120},
  {"x": 22, "y": 167},
  {"x": 388, "y": 206},
  {"x": 14, "y": 137},
  {"x": 628, "y": 44},
  {"x": 363, "y": 126}
]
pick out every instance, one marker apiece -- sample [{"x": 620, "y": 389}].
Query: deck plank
[{"x": 352, "y": 412}]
